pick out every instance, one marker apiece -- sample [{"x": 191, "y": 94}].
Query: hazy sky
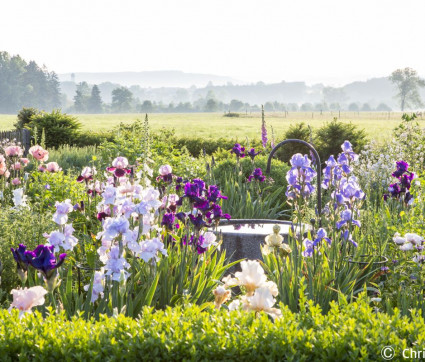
[{"x": 330, "y": 41}]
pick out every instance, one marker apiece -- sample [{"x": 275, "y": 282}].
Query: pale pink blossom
[
  {"x": 25, "y": 161},
  {"x": 52, "y": 167},
  {"x": 39, "y": 153},
  {"x": 16, "y": 166},
  {"x": 165, "y": 170},
  {"x": 13, "y": 151},
  {"x": 16, "y": 181},
  {"x": 25, "y": 299},
  {"x": 120, "y": 162}
]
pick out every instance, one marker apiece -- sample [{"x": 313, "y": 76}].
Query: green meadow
[{"x": 378, "y": 125}]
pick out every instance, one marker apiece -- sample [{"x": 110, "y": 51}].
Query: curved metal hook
[{"x": 319, "y": 168}]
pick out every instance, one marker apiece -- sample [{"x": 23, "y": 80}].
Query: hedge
[{"x": 346, "y": 333}]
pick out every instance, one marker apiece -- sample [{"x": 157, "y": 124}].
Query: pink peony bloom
[
  {"x": 39, "y": 153},
  {"x": 25, "y": 299},
  {"x": 16, "y": 181},
  {"x": 25, "y": 161},
  {"x": 17, "y": 166},
  {"x": 52, "y": 167},
  {"x": 41, "y": 168},
  {"x": 165, "y": 170},
  {"x": 3, "y": 168},
  {"x": 12, "y": 151}
]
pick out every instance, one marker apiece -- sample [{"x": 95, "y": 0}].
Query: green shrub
[
  {"x": 195, "y": 146},
  {"x": 24, "y": 117},
  {"x": 349, "y": 333},
  {"x": 92, "y": 139},
  {"x": 296, "y": 131},
  {"x": 59, "y": 128},
  {"x": 332, "y": 135},
  {"x": 231, "y": 114}
]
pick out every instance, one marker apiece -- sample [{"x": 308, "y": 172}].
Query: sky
[{"x": 317, "y": 41}]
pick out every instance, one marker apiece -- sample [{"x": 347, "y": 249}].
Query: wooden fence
[{"x": 23, "y": 136}]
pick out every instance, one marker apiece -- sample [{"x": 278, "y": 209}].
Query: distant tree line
[
  {"x": 26, "y": 84},
  {"x": 123, "y": 101}
]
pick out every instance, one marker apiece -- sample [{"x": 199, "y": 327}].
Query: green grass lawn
[{"x": 378, "y": 125}]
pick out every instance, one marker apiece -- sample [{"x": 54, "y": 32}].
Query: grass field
[{"x": 378, "y": 125}]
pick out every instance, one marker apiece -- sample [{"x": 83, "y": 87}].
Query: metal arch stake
[{"x": 319, "y": 169}]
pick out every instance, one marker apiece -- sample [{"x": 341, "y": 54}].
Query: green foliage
[
  {"x": 23, "y": 226},
  {"x": 24, "y": 117},
  {"x": 251, "y": 199},
  {"x": 349, "y": 332},
  {"x": 59, "y": 128},
  {"x": 332, "y": 135},
  {"x": 298, "y": 131},
  {"x": 196, "y": 146},
  {"x": 46, "y": 188}
]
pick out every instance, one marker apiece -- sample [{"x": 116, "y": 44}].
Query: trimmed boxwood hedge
[{"x": 351, "y": 332}]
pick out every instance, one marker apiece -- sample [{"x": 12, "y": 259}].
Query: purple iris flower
[
  {"x": 347, "y": 218},
  {"x": 350, "y": 189},
  {"x": 44, "y": 260},
  {"x": 251, "y": 153},
  {"x": 257, "y": 175},
  {"x": 168, "y": 221},
  {"x": 402, "y": 167},
  {"x": 347, "y": 148},
  {"x": 321, "y": 235},
  {"x": 193, "y": 191},
  {"x": 217, "y": 213},
  {"x": 197, "y": 221},
  {"x": 214, "y": 194},
  {"x": 406, "y": 180},
  {"x": 22, "y": 260},
  {"x": 394, "y": 189},
  {"x": 181, "y": 216},
  {"x": 309, "y": 248},
  {"x": 238, "y": 150},
  {"x": 346, "y": 236}
]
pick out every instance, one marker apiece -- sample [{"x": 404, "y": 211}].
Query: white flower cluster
[
  {"x": 260, "y": 292},
  {"x": 62, "y": 238},
  {"x": 128, "y": 212}
]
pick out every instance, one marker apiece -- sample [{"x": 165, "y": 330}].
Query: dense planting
[{"x": 130, "y": 233}]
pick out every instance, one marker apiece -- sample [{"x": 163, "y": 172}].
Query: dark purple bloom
[
  {"x": 257, "y": 175},
  {"x": 44, "y": 260},
  {"x": 181, "y": 216},
  {"x": 394, "y": 189},
  {"x": 402, "y": 167},
  {"x": 193, "y": 191},
  {"x": 251, "y": 153},
  {"x": 197, "y": 221},
  {"x": 102, "y": 215},
  {"x": 22, "y": 260},
  {"x": 217, "y": 213},
  {"x": 214, "y": 194},
  {"x": 238, "y": 150},
  {"x": 168, "y": 221},
  {"x": 119, "y": 172}
]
